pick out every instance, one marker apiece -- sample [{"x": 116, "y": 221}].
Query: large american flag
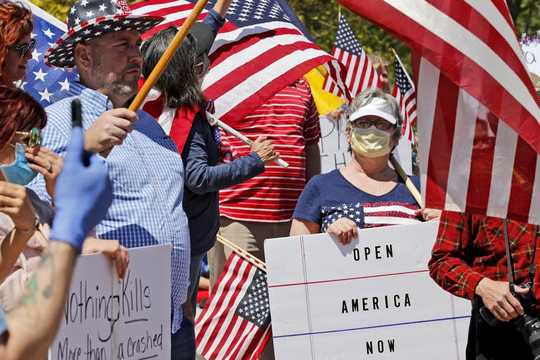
[
  {"x": 235, "y": 324},
  {"x": 260, "y": 50},
  {"x": 405, "y": 94},
  {"x": 44, "y": 83},
  {"x": 352, "y": 71},
  {"x": 478, "y": 113}
]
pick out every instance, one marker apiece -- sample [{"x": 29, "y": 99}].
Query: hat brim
[
  {"x": 204, "y": 37},
  {"x": 372, "y": 111},
  {"x": 61, "y": 54}
]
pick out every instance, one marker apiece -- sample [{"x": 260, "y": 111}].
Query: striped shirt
[
  {"x": 291, "y": 121},
  {"x": 147, "y": 175},
  {"x": 329, "y": 197}
]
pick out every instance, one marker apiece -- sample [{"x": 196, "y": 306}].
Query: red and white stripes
[
  {"x": 250, "y": 63},
  {"x": 222, "y": 334},
  {"x": 478, "y": 113},
  {"x": 471, "y": 161}
]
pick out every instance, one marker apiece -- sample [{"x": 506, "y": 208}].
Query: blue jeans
[{"x": 183, "y": 341}]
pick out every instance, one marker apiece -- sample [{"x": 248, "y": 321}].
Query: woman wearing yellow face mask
[{"x": 367, "y": 192}]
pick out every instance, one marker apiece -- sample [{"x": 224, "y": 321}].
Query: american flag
[
  {"x": 44, "y": 83},
  {"x": 235, "y": 324},
  {"x": 478, "y": 113},
  {"x": 260, "y": 50},
  {"x": 352, "y": 71},
  {"x": 405, "y": 94}
]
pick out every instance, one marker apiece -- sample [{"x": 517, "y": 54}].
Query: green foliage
[{"x": 321, "y": 20}]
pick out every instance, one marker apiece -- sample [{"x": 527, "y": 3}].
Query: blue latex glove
[{"x": 83, "y": 194}]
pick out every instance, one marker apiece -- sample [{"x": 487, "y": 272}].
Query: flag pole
[
  {"x": 167, "y": 55},
  {"x": 403, "y": 67},
  {"x": 242, "y": 253},
  {"x": 240, "y": 136},
  {"x": 408, "y": 182}
]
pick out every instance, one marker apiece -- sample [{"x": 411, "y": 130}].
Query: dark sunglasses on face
[{"x": 23, "y": 49}]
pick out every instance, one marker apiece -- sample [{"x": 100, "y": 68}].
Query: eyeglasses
[
  {"x": 23, "y": 49},
  {"x": 30, "y": 138},
  {"x": 378, "y": 123}
]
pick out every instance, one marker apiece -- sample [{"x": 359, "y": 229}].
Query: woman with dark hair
[
  {"x": 184, "y": 118},
  {"x": 16, "y": 44},
  {"x": 24, "y": 218}
]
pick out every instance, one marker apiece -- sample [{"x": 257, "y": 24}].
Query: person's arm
[
  {"x": 111, "y": 249},
  {"x": 307, "y": 213},
  {"x": 15, "y": 203},
  {"x": 304, "y": 227},
  {"x": 33, "y": 324},
  {"x": 222, "y": 6},
  {"x": 449, "y": 266},
  {"x": 202, "y": 178},
  {"x": 216, "y": 16},
  {"x": 83, "y": 196}
]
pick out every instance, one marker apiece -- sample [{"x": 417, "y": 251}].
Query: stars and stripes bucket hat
[{"x": 88, "y": 19}]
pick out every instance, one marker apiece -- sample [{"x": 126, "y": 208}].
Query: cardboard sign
[
  {"x": 335, "y": 149},
  {"x": 107, "y": 318},
  {"x": 371, "y": 299}
]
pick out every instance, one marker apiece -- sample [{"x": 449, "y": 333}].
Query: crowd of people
[{"x": 168, "y": 175}]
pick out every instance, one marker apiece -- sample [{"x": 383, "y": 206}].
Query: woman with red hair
[
  {"x": 16, "y": 44},
  {"x": 24, "y": 218}
]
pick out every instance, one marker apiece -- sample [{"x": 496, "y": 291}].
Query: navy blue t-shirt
[{"x": 328, "y": 197}]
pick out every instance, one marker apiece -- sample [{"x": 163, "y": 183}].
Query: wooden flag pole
[
  {"x": 408, "y": 182},
  {"x": 167, "y": 55},
  {"x": 242, "y": 253},
  {"x": 240, "y": 136}
]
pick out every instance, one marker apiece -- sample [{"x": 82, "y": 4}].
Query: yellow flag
[{"x": 326, "y": 102}]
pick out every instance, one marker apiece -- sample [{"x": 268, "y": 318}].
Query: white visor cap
[{"x": 378, "y": 107}]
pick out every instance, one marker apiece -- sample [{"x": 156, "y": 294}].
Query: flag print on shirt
[{"x": 368, "y": 215}]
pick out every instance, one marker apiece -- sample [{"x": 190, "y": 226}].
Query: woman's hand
[
  {"x": 429, "y": 214},
  {"x": 344, "y": 229},
  {"x": 111, "y": 249},
  {"x": 47, "y": 163},
  {"x": 15, "y": 203}
]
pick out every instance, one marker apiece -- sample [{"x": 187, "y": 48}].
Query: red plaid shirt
[{"x": 471, "y": 247}]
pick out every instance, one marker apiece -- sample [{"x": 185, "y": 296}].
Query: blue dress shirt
[{"x": 147, "y": 175}]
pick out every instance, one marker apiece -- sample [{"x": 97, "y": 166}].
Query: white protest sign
[
  {"x": 334, "y": 148},
  {"x": 531, "y": 49},
  {"x": 105, "y": 318},
  {"x": 333, "y": 145},
  {"x": 371, "y": 299}
]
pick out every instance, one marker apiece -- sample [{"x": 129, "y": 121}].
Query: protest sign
[
  {"x": 107, "y": 318},
  {"x": 335, "y": 149},
  {"x": 370, "y": 299}
]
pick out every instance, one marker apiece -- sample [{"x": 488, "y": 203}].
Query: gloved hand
[{"x": 83, "y": 194}]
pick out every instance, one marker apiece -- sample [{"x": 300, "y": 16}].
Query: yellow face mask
[{"x": 370, "y": 142}]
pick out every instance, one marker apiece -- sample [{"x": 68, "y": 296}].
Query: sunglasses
[
  {"x": 379, "y": 124},
  {"x": 30, "y": 138},
  {"x": 23, "y": 49}
]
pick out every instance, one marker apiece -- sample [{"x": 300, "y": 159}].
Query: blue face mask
[{"x": 18, "y": 172}]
